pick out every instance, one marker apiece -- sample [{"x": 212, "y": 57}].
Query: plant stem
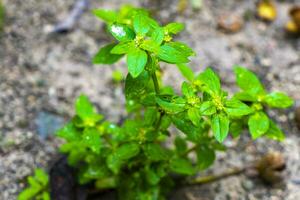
[
  {"x": 212, "y": 178},
  {"x": 155, "y": 82},
  {"x": 159, "y": 121}
]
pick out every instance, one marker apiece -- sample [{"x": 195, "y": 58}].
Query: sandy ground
[{"x": 42, "y": 74}]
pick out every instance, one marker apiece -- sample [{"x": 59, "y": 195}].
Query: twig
[{"x": 212, "y": 178}]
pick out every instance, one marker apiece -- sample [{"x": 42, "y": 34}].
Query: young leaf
[
  {"x": 182, "y": 166},
  {"x": 186, "y": 71},
  {"x": 121, "y": 32},
  {"x": 187, "y": 90},
  {"x": 274, "y": 132},
  {"x": 104, "y": 56},
  {"x": 155, "y": 152},
  {"x": 85, "y": 110},
  {"x": 258, "y": 124},
  {"x": 205, "y": 156},
  {"x": 278, "y": 100},
  {"x": 174, "y": 27},
  {"x": 194, "y": 115},
  {"x": 140, "y": 24},
  {"x": 150, "y": 46},
  {"x": 136, "y": 61},
  {"x": 248, "y": 81},
  {"x": 158, "y": 35},
  {"x": 220, "y": 126},
  {"x": 108, "y": 16},
  {"x": 211, "y": 81},
  {"x": 207, "y": 108},
  {"x": 236, "y": 108},
  {"x": 122, "y": 47},
  {"x": 174, "y": 53}
]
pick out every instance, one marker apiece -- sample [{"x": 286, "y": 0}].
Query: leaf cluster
[
  {"x": 135, "y": 157},
  {"x": 37, "y": 187}
]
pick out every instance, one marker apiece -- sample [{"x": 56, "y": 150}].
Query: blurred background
[{"x": 46, "y": 48}]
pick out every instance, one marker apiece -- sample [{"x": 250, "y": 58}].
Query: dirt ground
[{"x": 42, "y": 74}]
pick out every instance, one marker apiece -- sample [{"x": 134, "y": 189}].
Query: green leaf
[
  {"x": 182, "y": 166},
  {"x": 186, "y": 71},
  {"x": 174, "y": 27},
  {"x": 175, "y": 52},
  {"x": 38, "y": 184},
  {"x": 140, "y": 24},
  {"x": 245, "y": 96},
  {"x": 122, "y": 47},
  {"x": 220, "y": 126},
  {"x": 274, "y": 132},
  {"x": 150, "y": 116},
  {"x": 181, "y": 145},
  {"x": 121, "y": 154},
  {"x": 121, "y": 32},
  {"x": 104, "y": 56},
  {"x": 155, "y": 152},
  {"x": 91, "y": 139},
  {"x": 136, "y": 61},
  {"x": 278, "y": 100},
  {"x": 236, "y": 128},
  {"x": 171, "y": 104},
  {"x": 205, "y": 156},
  {"x": 193, "y": 133},
  {"x": 150, "y": 46},
  {"x": 158, "y": 35},
  {"x": 258, "y": 124},
  {"x": 194, "y": 115},
  {"x": 136, "y": 87},
  {"x": 236, "y": 108},
  {"x": 207, "y": 108},
  {"x": 211, "y": 81},
  {"x": 95, "y": 171},
  {"x": 152, "y": 177},
  {"x": 69, "y": 132},
  {"x": 187, "y": 90},
  {"x": 106, "y": 15},
  {"x": 41, "y": 176},
  {"x": 85, "y": 110},
  {"x": 127, "y": 151},
  {"x": 248, "y": 81}
]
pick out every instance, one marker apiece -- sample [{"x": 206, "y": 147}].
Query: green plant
[
  {"x": 138, "y": 158},
  {"x": 38, "y": 187}
]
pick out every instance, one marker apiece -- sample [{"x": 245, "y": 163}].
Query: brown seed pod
[{"x": 270, "y": 167}]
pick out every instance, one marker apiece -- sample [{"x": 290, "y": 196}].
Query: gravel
[{"x": 45, "y": 73}]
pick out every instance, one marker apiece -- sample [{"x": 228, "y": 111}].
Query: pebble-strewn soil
[{"x": 42, "y": 74}]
